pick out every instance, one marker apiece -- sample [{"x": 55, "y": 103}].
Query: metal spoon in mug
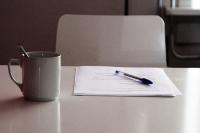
[{"x": 24, "y": 53}]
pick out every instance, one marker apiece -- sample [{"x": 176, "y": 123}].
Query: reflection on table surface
[{"x": 97, "y": 114}]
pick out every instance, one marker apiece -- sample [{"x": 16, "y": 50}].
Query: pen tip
[
  {"x": 146, "y": 81},
  {"x": 116, "y": 71}
]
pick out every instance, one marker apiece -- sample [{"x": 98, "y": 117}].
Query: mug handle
[{"x": 16, "y": 61}]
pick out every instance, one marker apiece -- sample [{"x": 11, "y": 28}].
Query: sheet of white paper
[{"x": 99, "y": 80}]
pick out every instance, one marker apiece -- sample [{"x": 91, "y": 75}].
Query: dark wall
[
  {"x": 143, "y": 7},
  {"x": 34, "y": 22}
]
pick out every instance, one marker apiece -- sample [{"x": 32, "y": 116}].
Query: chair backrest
[{"x": 111, "y": 40}]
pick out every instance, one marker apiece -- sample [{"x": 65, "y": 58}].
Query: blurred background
[{"x": 34, "y": 22}]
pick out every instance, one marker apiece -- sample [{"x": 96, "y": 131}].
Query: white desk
[{"x": 98, "y": 114}]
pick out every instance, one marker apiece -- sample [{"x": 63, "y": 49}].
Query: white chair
[{"x": 111, "y": 40}]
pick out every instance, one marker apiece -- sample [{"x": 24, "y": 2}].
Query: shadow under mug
[{"x": 41, "y": 73}]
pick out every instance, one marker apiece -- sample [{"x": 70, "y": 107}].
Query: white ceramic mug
[{"x": 41, "y": 74}]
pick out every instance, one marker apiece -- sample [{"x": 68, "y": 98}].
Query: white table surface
[{"x": 99, "y": 114}]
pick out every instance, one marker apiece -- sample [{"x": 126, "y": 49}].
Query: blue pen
[{"x": 143, "y": 80}]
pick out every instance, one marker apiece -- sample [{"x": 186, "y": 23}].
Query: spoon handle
[{"x": 21, "y": 48}]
